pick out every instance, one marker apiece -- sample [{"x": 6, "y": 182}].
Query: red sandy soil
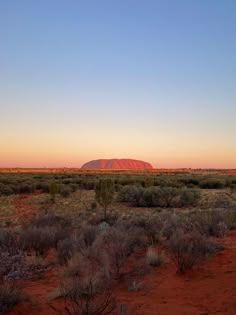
[
  {"x": 208, "y": 289},
  {"x": 22, "y": 206}
]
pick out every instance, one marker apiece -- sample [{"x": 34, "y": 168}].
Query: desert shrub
[
  {"x": 87, "y": 290},
  {"x": 9, "y": 296},
  {"x": 41, "y": 238},
  {"x": 212, "y": 183},
  {"x": 93, "y": 205},
  {"x": 84, "y": 239},
  {"x": 189, "y": 197},
  {"x": 43, "y": 186},
  {"x": 89, "y": 184},
  {"x": 6, "y": 190},
  {"x": 73, "y": 187},
  {"x": 53, "y": 190},
  {"x": 38, "y": 239},
  {"x": 65, "y": 249},
  {"x": 65, "y": 191},
  {"x": 8, "y": 242},
  {"x": 130, "y": 194},
  {"x": 87, "y": 297},
  {"x": 12, "y": 265},
  {"x": 189, "y": 249},
  {"x": 168, "y": 196},
  {"x": 148, "y": 182},
  {"x": 148, "y": 229},
  {"x": 158, "y": 196},
  {"x": 11, "y": 257},
  {"x": 49, "y": 219},
  {"x": 148, "y": 197},
  {"x": 211, "y": 223},
  {"x": 117, "y": 245},
  {"x": 190, "y": 182},
  {"x": 154, "y": 257},
  {"x": 76, "y": 265},
  {"x": 172, "y": 223},
  {"x": 104, "y": 194},
  {"x": 25, "y": 188},
  {"x": 137, "y": 238},
  {"x": 88, "y": 234},
  {"x": 230, "y": 219}
]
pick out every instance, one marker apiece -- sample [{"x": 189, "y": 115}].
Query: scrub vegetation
[{"x": 97, "y": 231}]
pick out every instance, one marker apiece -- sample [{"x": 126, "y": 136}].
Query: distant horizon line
[{"x": 154, "y": 168}]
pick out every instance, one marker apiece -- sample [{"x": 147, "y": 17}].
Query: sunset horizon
[{"x": 149, "y": 80}]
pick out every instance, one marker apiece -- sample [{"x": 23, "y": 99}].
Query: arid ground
[{"x": 208, "y": 287}]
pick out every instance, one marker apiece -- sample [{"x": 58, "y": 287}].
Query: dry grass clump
[
  {"x": 154, "y": 257},
  {"x": 212, "y": 222},
  {"x": 187, "y": 250},
  {"x": 80, "y": 242},
  {"x": 44, "y": 232}
]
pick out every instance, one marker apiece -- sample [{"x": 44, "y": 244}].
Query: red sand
[
  {"x": 23, "y": 208},
  {"x": 209, "y": 289}
]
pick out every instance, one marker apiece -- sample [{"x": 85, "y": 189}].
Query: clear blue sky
[{"x": 145, "y": 79}]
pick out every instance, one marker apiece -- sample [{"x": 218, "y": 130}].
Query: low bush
[
  {"x": 9, "y": 296},
  {"x": 65, "y": 250},
  {"x": 189, "y": 197},
  {"x": 211, "y": 223},
  {"x": 12, "y": 267},
  {"x": 189, "y": 249},
  {"x": 8, "y": 242},
  {"x": 41, "y": 239},
  {"x": 5, "y": 190},
  {"x": 25, "y": 188},
  {"x": 130, "y": 194},
  {"x": 172, "y": 223},
  {"x": 85, "y": 298},
  {"x": 65, "y": 191},
  {"x": 166, "y": 197},
  {"x": 49, "y": 219},
  {"x": 43, "y": 232},
  {"x": 117, "y": 245},
  {"x": 212, "y": 183}
]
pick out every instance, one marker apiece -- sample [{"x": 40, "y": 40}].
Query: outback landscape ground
[{"x": 108, "y": 242}]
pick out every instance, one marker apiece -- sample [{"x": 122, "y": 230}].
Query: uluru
[{"x": 118, "y": 164}]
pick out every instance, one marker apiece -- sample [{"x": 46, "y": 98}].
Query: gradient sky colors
[{"x": 144, "y": 79}]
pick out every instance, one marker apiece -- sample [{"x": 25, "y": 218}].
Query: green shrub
[
  {"x": 5, "y": 190},
  {"x": 105, "y": 194},
  {"x": 189, "y": 197},
  {"x": 65, "y": 191},
  {"x": 53, "y": 190},
  {"x": 212, "y": 183}
]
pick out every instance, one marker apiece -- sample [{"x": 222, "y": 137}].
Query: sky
[{"x": 153, "y": 80}]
